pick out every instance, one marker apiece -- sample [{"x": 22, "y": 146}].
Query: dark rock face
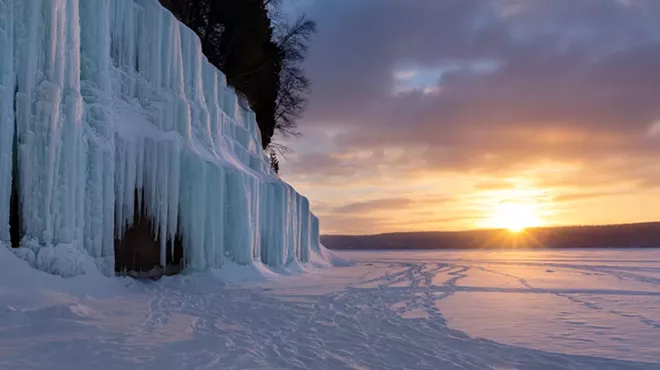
[{"x": 137, "y": 252}]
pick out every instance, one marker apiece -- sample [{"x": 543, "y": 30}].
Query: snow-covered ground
[{"x": 597, "y": 309}]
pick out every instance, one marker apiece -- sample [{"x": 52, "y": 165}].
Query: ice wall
[{"x": 100, "y": 98}]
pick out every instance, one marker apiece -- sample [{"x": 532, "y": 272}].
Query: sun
[{"x": 514, "y": 216}]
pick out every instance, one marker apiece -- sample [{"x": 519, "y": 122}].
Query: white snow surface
[
  {"x": 596, "y": 309},
  {"x": 107, "y": 97}
]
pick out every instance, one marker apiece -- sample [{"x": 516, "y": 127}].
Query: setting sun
[{"x": 514, "y": 216}]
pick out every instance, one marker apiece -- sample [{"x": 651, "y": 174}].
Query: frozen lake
[
  {"x": 584, "y": 302},
  {"x": 592, "y": 309}
]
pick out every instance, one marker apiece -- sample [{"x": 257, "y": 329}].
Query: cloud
[
  {"x": 376, "y": 204},
  {"x": 489, "y": 88},
  {"x": 582, "y": 196},
  {"x": 333, "y": 224},
  {"x": 425, "y": 223},
  {"x": 654, "y": 129},
  {"x": 557, "y": 96},
  {"x": 404, "y": 75},
  {"x": 494, "y": 185},
  {"x": 391, "y": 204}
]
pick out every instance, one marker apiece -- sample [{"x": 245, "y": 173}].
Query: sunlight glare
[{"x": 514, "y": 216}]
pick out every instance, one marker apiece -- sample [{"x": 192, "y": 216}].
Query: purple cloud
[{"x": 558, "y": 80}]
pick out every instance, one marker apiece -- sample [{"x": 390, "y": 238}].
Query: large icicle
[
  {"x": 113, "y": 100},
  {"x": 49, "y": 118},
  {"x": 7, "y": 79}
]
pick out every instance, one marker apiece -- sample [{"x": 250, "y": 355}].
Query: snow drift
[{"x": 108, "y": 107}]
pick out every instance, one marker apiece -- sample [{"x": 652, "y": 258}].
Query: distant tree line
[
  {"x": 601, "y": 236},
  {"x": 260, "y": 53}
]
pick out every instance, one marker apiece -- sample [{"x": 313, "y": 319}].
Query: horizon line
[{"x": 500, "y": 229}]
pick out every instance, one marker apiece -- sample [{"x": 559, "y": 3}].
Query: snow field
[{"x": 411, "y": 310}]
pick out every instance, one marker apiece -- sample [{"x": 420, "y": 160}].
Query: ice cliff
[{"x": 109, "y": 106}]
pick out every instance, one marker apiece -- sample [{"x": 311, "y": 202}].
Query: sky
[{"x": 447, "y": 114}]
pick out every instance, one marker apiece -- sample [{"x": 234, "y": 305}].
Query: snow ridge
[{"x": 113, "y": 99}]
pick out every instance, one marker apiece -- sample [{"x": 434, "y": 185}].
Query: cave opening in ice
[{"x": 138, "y": 251}]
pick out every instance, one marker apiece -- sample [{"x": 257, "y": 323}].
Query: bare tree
[
  {"x": 279, "y": 149},
  {"x": 292, "y": 39}
]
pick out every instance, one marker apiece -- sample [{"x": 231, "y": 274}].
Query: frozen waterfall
[{"x": 109, "y": 104}]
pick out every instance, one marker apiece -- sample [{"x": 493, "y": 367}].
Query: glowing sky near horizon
[{"x": 436, "y": 115}]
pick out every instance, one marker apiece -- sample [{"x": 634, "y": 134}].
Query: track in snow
[{"x": 387, "y": 311}]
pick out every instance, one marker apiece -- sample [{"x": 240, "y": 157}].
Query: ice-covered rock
[{"x": 108, "y": 107}]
